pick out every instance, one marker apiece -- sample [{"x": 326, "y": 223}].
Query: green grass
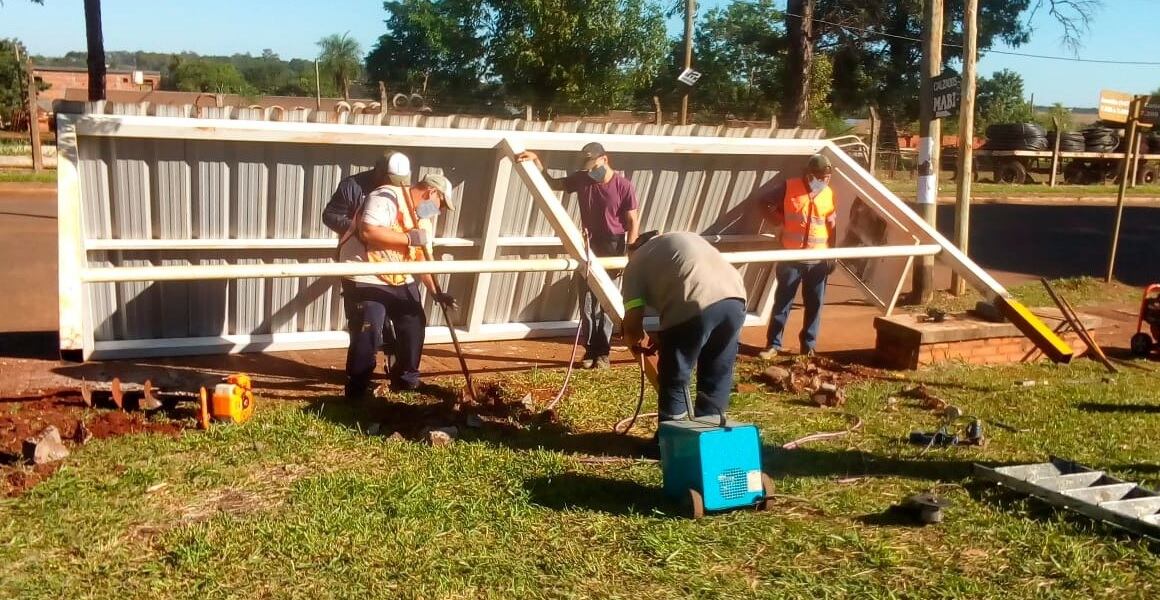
[
  {"x": 1079, "y": 291},
  {"x": 907, "y": 188},
  {"x": 299, "y": 503},
  {"x": 27, "y": 176}
]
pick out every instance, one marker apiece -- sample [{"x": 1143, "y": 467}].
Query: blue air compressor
[{"x": 713, "y": 464}]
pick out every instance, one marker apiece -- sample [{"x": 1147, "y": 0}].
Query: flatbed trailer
[{"x": 1018, "y": 166}]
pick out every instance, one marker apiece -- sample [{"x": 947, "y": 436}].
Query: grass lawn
[
  {"x": 27, "y": 176},
  {"x": 301, "y": 503},
  {"x": 1079, "y": 291},
  {"x": 908, "y": 187}
]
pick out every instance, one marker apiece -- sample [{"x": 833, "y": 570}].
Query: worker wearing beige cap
[
  {"x": 609, "y": 216},
  {"x": 385, "y": 229},
  {"x": 804, "y": 208}
]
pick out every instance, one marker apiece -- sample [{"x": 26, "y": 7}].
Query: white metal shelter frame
[{"x": 77, "y": 329}]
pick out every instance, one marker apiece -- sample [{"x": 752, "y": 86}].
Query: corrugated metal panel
[{"x": 136, "y": 188}]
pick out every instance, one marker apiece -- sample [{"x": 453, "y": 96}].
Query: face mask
[
  {"x": 428, "y": 209},
  {"x": 597, "y": 173},
  {"x": 816, "y": 186}
]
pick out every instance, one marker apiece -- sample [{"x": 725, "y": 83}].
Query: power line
[{"x": 1003, "y": 52}]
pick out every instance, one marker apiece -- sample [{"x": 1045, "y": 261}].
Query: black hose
[
  {"x": 1101, "y": 139},
  {"x": 1016, "y": 136}
]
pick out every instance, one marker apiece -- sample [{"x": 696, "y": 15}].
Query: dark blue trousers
[
  {"x": 708, "y": 342},
  {"x": 368, "y": 308},
  {"x": 812, "y": 279}
]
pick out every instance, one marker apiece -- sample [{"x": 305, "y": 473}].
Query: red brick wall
[
  {"x": 59, "y": 81},
  {"x": 898, "y": 353}
]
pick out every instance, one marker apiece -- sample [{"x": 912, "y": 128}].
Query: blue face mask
[
  {"x": 816, "y": 186},
  {"x": 428, "y": 209},
  {"x": 598, "y": 173}
]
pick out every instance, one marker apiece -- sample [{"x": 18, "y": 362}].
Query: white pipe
[{"x": 263, "y": 271}]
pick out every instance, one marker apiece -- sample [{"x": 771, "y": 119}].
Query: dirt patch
[
  {"x": 65, "y": 410},
  {"x": 802, "y": 375},
  {"x": 497, "y": 406}
]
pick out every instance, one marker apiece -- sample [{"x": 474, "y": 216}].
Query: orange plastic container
[{"x": 233, "y": 400}]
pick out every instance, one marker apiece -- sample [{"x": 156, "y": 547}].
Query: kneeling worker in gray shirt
[{"x": 701, "y": 301}]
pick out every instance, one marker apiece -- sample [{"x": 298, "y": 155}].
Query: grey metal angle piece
[{"x": 1092, "y": 493}]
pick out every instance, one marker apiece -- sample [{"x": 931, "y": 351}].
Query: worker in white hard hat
[{"x": 385, "y": 228}]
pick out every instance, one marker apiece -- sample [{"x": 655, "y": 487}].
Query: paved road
[{"x": 1062, "y": 241}]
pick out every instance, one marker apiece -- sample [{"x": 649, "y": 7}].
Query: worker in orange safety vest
[{"x": 804, "y": 207}]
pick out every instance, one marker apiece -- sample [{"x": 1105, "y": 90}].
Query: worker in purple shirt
[{"x": 608, "y": 214}]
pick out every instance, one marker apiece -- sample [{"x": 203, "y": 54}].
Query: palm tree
[{"x": 340, "y": 58}]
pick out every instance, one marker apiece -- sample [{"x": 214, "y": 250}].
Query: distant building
[{"x": 60, "y": 79}]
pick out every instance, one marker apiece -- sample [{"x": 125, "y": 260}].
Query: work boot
[
  {"x": 769, "y": 353},
  {"x": 601, "y": 362},
  {"x": 587, "y": 363},
  {"x": 356, "y": 390}
]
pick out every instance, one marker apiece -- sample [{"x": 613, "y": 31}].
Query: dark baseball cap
[
  {"x": 818, "y": 164},
  {"x": 591, "y": 152}
]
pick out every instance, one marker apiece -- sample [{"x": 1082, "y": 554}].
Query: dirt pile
[{"x": 21, "y": 419}]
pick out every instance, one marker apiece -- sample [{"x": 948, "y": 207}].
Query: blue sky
[{"x": 1123, "y": 30}]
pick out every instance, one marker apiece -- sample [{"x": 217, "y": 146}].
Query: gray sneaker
[
  {"x": 601, "y": 362},
  {"x": 769, "y": 353},
  {"x": 587, "y": 363}
]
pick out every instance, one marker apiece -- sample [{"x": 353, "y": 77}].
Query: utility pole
[
  {"x": 34, "y": 121},
  {"x": 930, "y": 141},
  {"x": 96, "y": 58},
  {"x": 690, "y": 13},
  {"x": 966, "y": 137}
]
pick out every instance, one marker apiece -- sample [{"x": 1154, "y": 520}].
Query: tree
[
  {"x": 437, "y": 48},
  {"x": 876, "y": 57},
  {"x": 738, "y": 52},
  {"x": 1060, "y": 113},
  {"x": 576, "y": 55},
  {"x": 799, "y": 27},
  {"x": 200, "y": 75},
  {"x": 12, "y": 82},
  {"x": 96, "y": 55},
  {"x": 339, "y": 58},
  {"x": 1000, "y": 99}
]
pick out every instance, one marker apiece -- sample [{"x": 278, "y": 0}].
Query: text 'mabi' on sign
[
  {"x": 945, "y": 90},
  {"x": 1115, "y": 106}
]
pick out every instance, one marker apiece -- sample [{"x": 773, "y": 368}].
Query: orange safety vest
[
  {"x": 806, "y": 218},
  {"x": 403, "y": 223}
]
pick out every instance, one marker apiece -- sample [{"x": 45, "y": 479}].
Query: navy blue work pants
[
  {"x": 811, "y": 277},
  {"x": 709, "y": 343},
  {"x": 368, "y": 309}
]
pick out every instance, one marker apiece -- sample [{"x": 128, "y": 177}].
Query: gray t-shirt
[{"x": 680, "y": 275}]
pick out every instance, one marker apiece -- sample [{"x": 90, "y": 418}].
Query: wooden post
[
  {"x": 1134, "y": 149},
  {"x": 528, "y": 114},
  {"x": 929, "y": 143},
  {"x": 1055, "y": 152},
  {"x": 1133, "y": 117},
  {"x": 34, "y": 121},
  {"x": 317, "y": 87},
  {"x": 660, "y": 119},
  {"x": 690, "y": 13},
  {"x": 875, "y": 130},
  {"x": 966, "y": 138},
  {"x": 383, "y": 100}
]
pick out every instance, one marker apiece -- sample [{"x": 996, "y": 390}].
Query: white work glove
[{"x": 417, "y": 237}]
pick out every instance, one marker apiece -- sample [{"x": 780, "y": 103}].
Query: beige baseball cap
[
  {"x": 440, "y": 182},
  {"x": 398, "y": 168}
]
